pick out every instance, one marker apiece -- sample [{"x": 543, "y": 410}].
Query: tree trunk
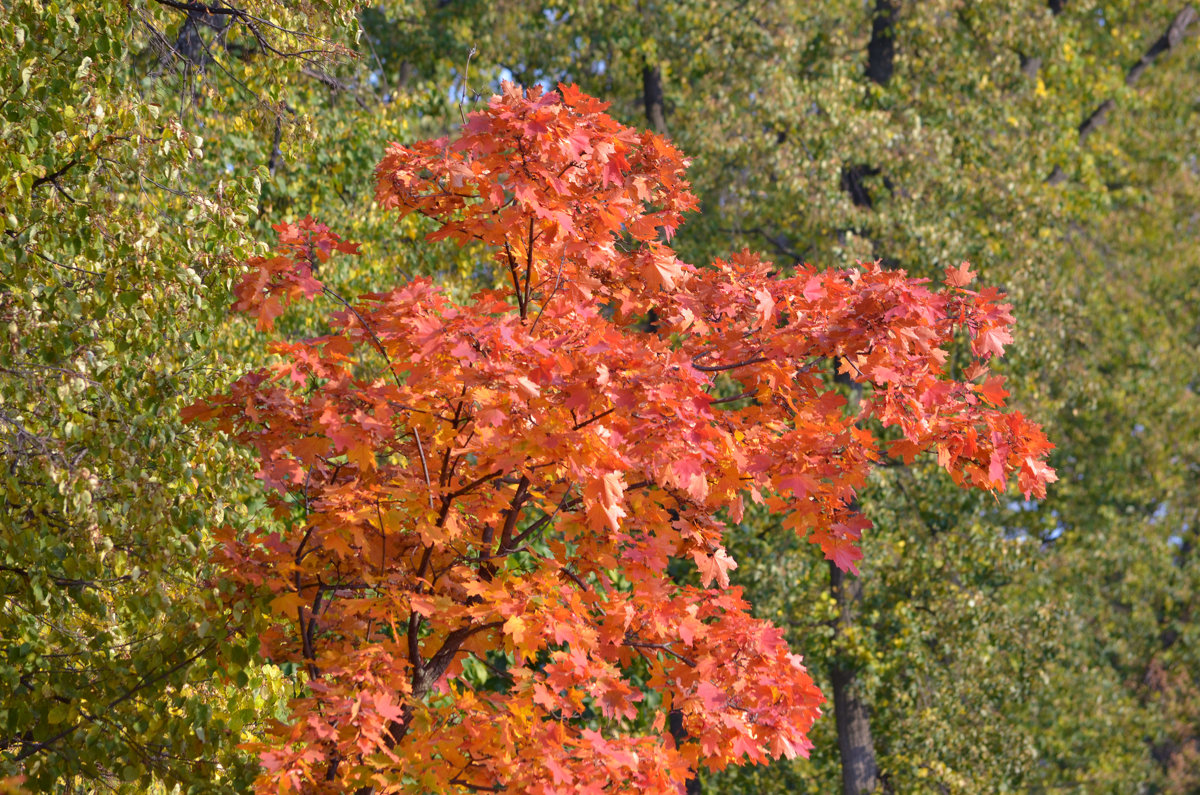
[
  {"x": 652, "y": 98},
  {"x": 675, "y": 724},
  {"x": 860, "y": 773},
  {"x": 881, "y": 51},
  {"x": 881, "y": 58}
]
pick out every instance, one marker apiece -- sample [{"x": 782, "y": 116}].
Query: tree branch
[
  {"x": 1171, "y": 38},
  {"x": 52, "y": 178},
  {"x": 716, "y": 368}
]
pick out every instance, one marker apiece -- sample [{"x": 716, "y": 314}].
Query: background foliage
[{"x": 995, "y": 645}]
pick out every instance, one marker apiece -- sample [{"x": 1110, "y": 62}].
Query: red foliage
[{"x": 499, "y": 485}]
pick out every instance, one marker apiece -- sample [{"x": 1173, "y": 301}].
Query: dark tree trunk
[
  {"x": 675, "y": 724},
  {"x": 652, "y": 98},
  {"x": 881, "y": 58},
  {"x": 1098, "y": 117},
  {"x": 881, "y": 51},
  {"x": 852, "y": 183},
  {"x": 860, "y": 773}
]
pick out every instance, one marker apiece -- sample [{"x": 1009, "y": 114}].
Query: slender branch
[
  {"x": 414, "y": 643},
  {"x": 444, "y": 475},
  {"x": 200, "y": 8},
  {"x": 474, "y": 787},
  {"x": 57, "y": 264},
  {"x": 1169, "y": 40},
  {"x": 477, "y": 482},
  {"x": 746, "y": 394},
  {"x": 367, "y": 328},
  {"x": 546, "y": 302},
  {"x": 563, "y": 504},
  {"x": 716, "y": 368},
  {"x": 512, "y": 272},
  {"x": 424, "y": 466},
  {"x": 587, "y": 422},
  {"x": 52, "y": 178},
  {"x": 664, "y": 647},
  {"x": 573, "y": 577}
]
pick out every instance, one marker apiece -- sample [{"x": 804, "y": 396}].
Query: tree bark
[
  {"x": 881, "y": 50},
  {"x": 852, "y": 183},
  {"x": 860, "y": 772},
  {"x": 1098, "y": 117},
  {"x": 1170, "y": 39},
  {"x": 652, "y": 98},
  {"x": 856, "y": 748},
  {"x": 679, "y": 734},
  {"x": 881, "y": 59}
]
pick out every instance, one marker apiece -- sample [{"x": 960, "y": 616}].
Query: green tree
[{"x": 131, "y": 135}]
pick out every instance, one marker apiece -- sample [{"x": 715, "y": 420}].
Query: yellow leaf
[
  {"x": 515, "y": 628},
  {"x": 287, "y": 604},
  {"x": 363, "y": 456}
]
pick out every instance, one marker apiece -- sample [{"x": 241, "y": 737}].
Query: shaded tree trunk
[
  {"x": 679, "y": 734},
  {"x": 881, "y": 59},
  {"x": 856, "y": 748},
  {"x": 860, "y": 772},
  {"x": 881, "y": 50},
  {"x": 652, "y": 99}
]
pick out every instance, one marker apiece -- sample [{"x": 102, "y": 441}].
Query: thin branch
[
  {"x": 664, "y": 647},
  {"x": 746, "y": 394},
  {"x": 716, "y": 368},
  {"x": 573, "y": 577},
  {"x": 1169, "y": 40},
  {"x": 512, "y": 272},
  {"x": 587, "y": 422},
  {"x": 478, "y": 481},
  {"x": 424, "y": 466},
  {"x": 57, "y": 264},
  {"x": 514, "y": 512},
  {"x": 546, "y": 302},
  {"x": 563, "y": 504},
  {"x": 51, "y": 178},
  {"x": 528, "y": 267}
]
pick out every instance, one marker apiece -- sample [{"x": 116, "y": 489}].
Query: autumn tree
[{"x": 479, "y": 501}]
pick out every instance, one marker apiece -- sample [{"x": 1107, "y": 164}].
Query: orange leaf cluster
[{"x": 500, "y": 485}]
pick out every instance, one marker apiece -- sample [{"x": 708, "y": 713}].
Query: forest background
[{"x": 989, "y": 645}]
